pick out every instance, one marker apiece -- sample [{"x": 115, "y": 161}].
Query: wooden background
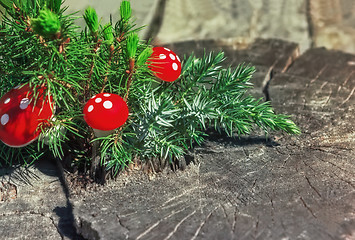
[{"x": 329, "y": 23}]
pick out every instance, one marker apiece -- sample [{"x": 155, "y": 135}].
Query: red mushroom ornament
[
  {"x": 105, "y": 112},
  {"x": 22, "y": 115},
  {"x": 165, "y": 64}
]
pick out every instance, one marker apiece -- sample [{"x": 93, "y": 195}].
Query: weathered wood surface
[
  {"x": 249, "y": 188},
  {"x": 37, "y": 206}
]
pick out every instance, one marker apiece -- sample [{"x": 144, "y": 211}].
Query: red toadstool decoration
[
  {"x": 22, "y": 115},
  {"x": 165, "y": 64},
  {"x": 105, "y": 112}
]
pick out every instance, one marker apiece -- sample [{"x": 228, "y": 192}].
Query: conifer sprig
[{"x": 40, "y": 45}]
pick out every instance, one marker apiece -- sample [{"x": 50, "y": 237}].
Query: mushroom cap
[
  {"x": 105, "y": 111},
  {"x": 22, "y": 115},
  {"x": 165, "y": 64}
]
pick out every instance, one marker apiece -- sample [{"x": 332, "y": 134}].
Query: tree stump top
[{"x": 291, "y": 187}]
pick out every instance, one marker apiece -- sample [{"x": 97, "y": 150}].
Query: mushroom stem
[
  {"x": 50, "y": 135},
  {"x": 101, "y": 133}
]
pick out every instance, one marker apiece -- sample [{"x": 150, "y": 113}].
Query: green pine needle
[
  {"x": 143, "y": 56},
  {"x": 91, "y": 20},
  {"x": 47, "y": 24},
  {"x": 125, "y": 10},
  {"x": 54, "y": 5},
  {"x": 108, "y": 34},
  {"x": 132, "y": 45}
]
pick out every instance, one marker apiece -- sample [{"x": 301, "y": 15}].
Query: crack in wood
[
  {"x": 271, "y": 202},
  {"x": 121, "y": 223},
  {"x": 56, "y": 227},
  {"x": 307, "y": 165},
  {"x": 254, "y": 183},
  {"x": 314, "y": 189},
  {"x": 256, "y": 227},
  {"x": 272, "y": 214},
  {"x": 234, "y": 224},
  {"x": 307, "y": 207}
]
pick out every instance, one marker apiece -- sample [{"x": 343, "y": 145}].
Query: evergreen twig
[{"x": 166, "y": 119}]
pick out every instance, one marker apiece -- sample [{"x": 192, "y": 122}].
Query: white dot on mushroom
[
  {"x": 24, "y": 103},
  {"x": 172, "y": 56},
  {"x": 4, "y": 119},
  {"x": 98, "y": 100},
  {"x": 175, "y": 66},
  {"x": 178, "y": 58},
  {"x": 162, "y": 56},
  {"x": 90, "y": 108},
  {"x": 107, "y": 95},
  {"x": 107, "y": 104},
  {"x": 167, "y": 49},
  {"x": 7, "y": 100}
]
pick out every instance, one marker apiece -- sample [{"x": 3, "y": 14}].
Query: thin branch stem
[
  {"x": 89, "y": 78},
  {"x": 130, "y": 74},
  {"x": 112, "y": 49}
]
